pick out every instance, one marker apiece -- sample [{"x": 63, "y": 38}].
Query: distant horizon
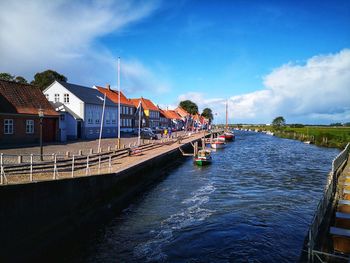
[{"x": 266, "y": 58}]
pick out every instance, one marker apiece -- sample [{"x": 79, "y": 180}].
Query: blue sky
[{"x": 211, "y": 52}]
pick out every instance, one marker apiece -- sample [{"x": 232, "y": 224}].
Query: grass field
[{"x": 328, "y": 136}]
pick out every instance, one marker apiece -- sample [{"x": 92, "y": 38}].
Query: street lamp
[{"x": 41, "y": 116}]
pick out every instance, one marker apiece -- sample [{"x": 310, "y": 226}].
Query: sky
[{"x": 264, "y": 58}]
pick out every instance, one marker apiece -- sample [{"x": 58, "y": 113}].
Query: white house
[{"x": 86, "y": 105}]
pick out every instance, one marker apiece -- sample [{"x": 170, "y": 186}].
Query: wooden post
[
  {"x": 92, "y": 151},
  {"x": 80, "y": 152},
  {"x": 31, "y": 168},
  {"x": 67, "y": 154},
  {"x": 73, "y": 165},
  {"x": 20, "y": 158}
]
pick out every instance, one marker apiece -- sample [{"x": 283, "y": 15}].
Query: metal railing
[
  {"x": 323, "y": 206},
  {"x": 29, "y": 168}
]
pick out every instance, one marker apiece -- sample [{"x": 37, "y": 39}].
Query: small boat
[
  {"x": 229, "y": 136},
  {"x": 307, "y": 142},
  {"x": 222, "y": 138},
  {"x": 203, "y": 157},
  {"x": 217, "y": 144}
]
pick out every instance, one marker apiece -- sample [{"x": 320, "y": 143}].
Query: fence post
[
  {"x": 110, "y": 163},
  {"x": 73, "y": 165},
  {"x": 19, "y": 159},
  {"x": 99, "y": 164},
  {"x": 31, "y": 168},
  {"x": 55, "y": 172},
  {"x": 87, "y": 165},
  {"x": 2, "y": 169}
]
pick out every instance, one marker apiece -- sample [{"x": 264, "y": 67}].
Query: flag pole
[
  {"x": 118, "y": 102},
  {"x": 139, "y": 138}
]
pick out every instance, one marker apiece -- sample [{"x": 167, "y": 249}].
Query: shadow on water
[{"x": 253, "y": 204}]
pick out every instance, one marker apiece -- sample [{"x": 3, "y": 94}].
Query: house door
[
  {"x": 49, "y": 129},
  {"x": 79, "y": 129}
]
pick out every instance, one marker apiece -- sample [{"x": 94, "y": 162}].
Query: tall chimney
[{"x": 108, "y": 87}]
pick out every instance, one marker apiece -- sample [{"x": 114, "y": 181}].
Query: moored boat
[
  {"x": 217, "y": 144},
  {"x": 229, "y": 136},
  {"x": 203, "y": 157},
  {"x": 222, "y": 138}
]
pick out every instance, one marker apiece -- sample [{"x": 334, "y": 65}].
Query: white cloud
[
  {"x": 64, "y": 35},
  {"x": 316, "y": 92}
]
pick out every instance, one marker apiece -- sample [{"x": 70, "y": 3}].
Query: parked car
[
  {"x": 146, "y": 129},
  {"x": 148, "y": 135}
]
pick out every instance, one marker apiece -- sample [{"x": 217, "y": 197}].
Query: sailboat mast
[{"x": 226, "y": 117}]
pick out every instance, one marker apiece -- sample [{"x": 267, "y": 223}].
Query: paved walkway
[{"x": 115, "y": 165}]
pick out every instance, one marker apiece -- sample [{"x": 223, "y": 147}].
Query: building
[
  {"x": 164, "y": 118},
  {"x": 67, "y": 122},
  {"x": 185, "y": 117},
  {"x": 127, "y": 108},
  {"x": 176, "y": 120},
  {"x": 150, "y": 114},
  {"x": 19, "y": 115},
  {"x": 87, "y": 105}
]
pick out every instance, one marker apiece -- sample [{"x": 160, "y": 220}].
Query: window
[
  {"x": 91, "y": 131},
  {"x": 57, "y": 97},
  {"x": 47, "y": 96},
  {"x": 62, "y": 117},
  {"x": 97, "y": 118},
  {"x": 113, "y": 118},
  {"x": 8, "y": 126},
  {"x": 89, "y": 117},
  {"x": 108, "y": 120},
  {"x": 29, "y": 126},
  {"x": 66, "y": 98},
  {"x": 108, "y": 131}
]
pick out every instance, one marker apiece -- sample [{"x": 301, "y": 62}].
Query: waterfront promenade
[{"x": 88, "y": 161}]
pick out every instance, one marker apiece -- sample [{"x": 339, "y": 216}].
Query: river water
[{"x": 253, "y": 204}]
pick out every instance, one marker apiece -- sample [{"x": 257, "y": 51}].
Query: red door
[{"x": 49, "y": 129}]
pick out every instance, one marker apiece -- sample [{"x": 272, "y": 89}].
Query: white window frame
[
  {"x": 8, "y": 126},
  {"x": 66, "y": 98},
  {"x": 57, "y": 97},
  {"x": 29, "y": 126}
]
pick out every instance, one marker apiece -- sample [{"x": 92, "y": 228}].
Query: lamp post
[{"x": 41, "y": 116}]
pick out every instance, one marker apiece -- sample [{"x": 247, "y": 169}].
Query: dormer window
[{"x": 66, "y": 98}]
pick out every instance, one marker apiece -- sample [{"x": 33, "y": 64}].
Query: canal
[{"x": 253, "y": 204}]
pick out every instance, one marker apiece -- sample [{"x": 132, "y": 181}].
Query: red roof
[
  {"x": 181, "y": 112},
  {"x": 172, "y": 115},
  {"x": 23, "y": 99},
  {"x": 146, "y": 104},
  {"x": 164, "y": 113},
  {"x": 113, "y": 96}
]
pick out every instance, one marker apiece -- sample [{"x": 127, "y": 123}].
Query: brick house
[
  {"x": 19, "y": 115},
  {"x": 150, "y": 114},
  {"x": 127, "y": 108}
]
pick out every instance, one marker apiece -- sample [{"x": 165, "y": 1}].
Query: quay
[
  {"x": 328, "y": 238},
  {"x": 44, "y": 201}
]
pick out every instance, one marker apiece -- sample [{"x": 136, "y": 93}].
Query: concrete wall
[{"x": 33, "y": 214}]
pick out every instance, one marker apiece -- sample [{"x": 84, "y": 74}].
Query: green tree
[
  {"x": 207, "y": 113},
  {"x": 6, "y": 76},
  {"x": 20, "y": 79},
  {"x": 45, "y": 78},
  {"x": 189, "y": 106},
  {"x": 278, "y": 123}
]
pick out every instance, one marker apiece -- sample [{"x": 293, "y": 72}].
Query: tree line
[{"x": 41, "y": 79}]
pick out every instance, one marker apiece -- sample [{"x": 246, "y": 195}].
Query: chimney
[{"x": 108, "y": 87}]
